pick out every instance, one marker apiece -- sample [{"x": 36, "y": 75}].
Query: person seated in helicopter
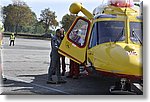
[
  {"x": 81, "y": 37},
  {"x": 74, "y": 36},
  {"x": 78, "y": 35}
]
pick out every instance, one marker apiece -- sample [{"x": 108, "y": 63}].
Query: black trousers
[
  {"x": 12, "y": 41},
  {"x": 63, "y": 64}
]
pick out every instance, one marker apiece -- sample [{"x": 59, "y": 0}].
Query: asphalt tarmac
[{"x": 25, "y": 66}]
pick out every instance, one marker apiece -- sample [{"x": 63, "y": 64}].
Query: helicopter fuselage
[{"x": 110, "y": 43}]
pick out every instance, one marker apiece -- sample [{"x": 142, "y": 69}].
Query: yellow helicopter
[{"x": 109, "y": 42}]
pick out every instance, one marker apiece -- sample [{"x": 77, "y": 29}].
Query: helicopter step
[
  {"x": 124, "y": 87},
  {"x": 138, "y": 88}
]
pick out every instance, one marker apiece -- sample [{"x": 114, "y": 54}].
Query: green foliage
[
  {"x": 49, "y": 19},
  {"x": 38, "y": 28},
  {"x": 67, "y": 21},
  {"x": 17, "y": 15}
]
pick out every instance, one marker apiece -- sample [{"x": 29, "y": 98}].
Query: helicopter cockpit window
[
  {"x": 110, "y": 30},
  {"x": 78, "y": 33},
  {"x": 136, "y": 29},
  {"x": 107, "y": 31},
  {"x": 93, "y": 39}
]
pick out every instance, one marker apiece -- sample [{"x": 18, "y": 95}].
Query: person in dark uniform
[
  {"x": 55, "y": 60},
  {"x": 63, "y": 57}
]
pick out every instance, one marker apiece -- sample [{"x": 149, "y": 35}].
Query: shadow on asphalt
[
  {"x": 16, "y": 88},
  {"x": 85, "y": 85}
]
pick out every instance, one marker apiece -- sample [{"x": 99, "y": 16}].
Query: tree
[
  {"x": 17, "y": 15},
  {"x": 67, "y": 21},
  {"x": 39, "y": 27},
  {"x": 49, "y": 19}
]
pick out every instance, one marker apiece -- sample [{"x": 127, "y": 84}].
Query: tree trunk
[
  {"x": 46, "y": 29},
  {"x": 16, "y": 29}
]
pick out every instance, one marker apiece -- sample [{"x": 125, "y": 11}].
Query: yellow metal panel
[
  {"x": 115, "y": 59},
  {"x": 72, "y": 50}
]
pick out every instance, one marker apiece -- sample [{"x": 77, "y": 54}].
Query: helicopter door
[{"x": 74, "y": 43}]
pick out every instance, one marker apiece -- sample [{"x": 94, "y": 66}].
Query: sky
[{"x": 61, "y": 7}]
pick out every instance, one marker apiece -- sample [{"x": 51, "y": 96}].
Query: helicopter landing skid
[
  {"x": 123, "y": 87},
  {"x": 120, "y": 92}
]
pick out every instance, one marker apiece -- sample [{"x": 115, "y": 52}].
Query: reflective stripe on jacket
[{"x": 12, "y": 37}]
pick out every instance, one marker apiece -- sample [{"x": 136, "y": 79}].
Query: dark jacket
[{"x": 55, "y": 43}]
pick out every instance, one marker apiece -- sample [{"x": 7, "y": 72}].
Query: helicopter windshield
[
  {"x": 136, "y": 32},
  {"x": 107, "y": 31}
]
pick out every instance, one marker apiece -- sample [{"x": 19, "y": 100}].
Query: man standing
[
  {"x": 63, "y": 57},
  {"x": 55, "y": 60},
  {"x": 12, "y": 39}
]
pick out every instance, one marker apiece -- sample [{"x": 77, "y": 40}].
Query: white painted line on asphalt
[{"x": 41, "y": 86}]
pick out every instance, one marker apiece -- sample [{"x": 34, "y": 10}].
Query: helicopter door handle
[
  {"x": 68, "y": 45},
  {"x": 90, "y": 53}
]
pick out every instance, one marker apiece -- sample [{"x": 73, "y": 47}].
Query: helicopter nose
[
  {"x": 134, "y": 55},
  {"x": 135, "y": 58},
  {"x": 127, "y": 59}
]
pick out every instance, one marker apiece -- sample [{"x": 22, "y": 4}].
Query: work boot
[
  {"x": 50, "y": 81},
  {"x": 61, "y": 81},
  {"x": 4, "y": 79}
]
